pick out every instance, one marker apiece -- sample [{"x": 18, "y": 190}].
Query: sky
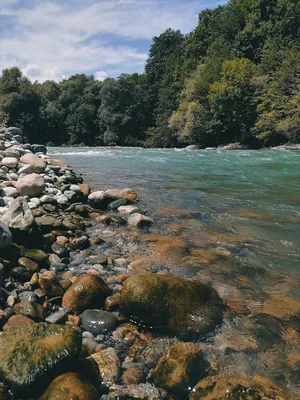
[{"x": 54, "y": 39}]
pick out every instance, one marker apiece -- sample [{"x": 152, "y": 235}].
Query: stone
[
  {"x": 143, "y": 391},
  {"x": 15, "y": 131},
  {"x": 26, "y": 169},
  {"x": 10, "y": 192},
  {"x": 37, "y": 163},
  {"x": 58, "y": 317},
  {"x": 17, "y": 319},
  {"x": 134, "y": 375},
  {"x": 43, "y": 351},
  {"x": 98, "y": 322},
  {"x": 99, "y": 199},
  {"x": 192, "y": 147},
  {"x": 30, "y": 265},
  {"x": 112, "y": 302},
  {"x": 9, "y": 162},
  {"x": 39, "y": 148},
  {"x": 127, "y": 194},
  {"x": 109, "y": 365},
  {"x": 70, "y": 386},
  {"x": 18, "y": 217},
  {"x": 31, "y": 185},
  {"x": 101, "y": 259},
  {"x": 88, "y": 292},
  {"x": 176, "y": 371},
  {"x": 50, "y": 285},
  {"x": 128, "y": 209},
  {"x": 86, "y": 190},
  {"x": 29, "y": 309},
  {"x": 35, "y": 255},
  {"x": 179, "y": 306},
  {"x": 20, "y": 274},
  {"x": 5, "y": 237},
  {"x": 117, "y": 203},
  {"x": 139, "y": 220},
  {"x": 80, "y": 243}
]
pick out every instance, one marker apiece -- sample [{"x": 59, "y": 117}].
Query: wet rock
[
  {"x": 37, "y": 163},
  {"x": 88, "y": 292},
  {"x": 128, "y": 209},
  {"x": 50, "y": 285},
  {"x": 30, "y": 265},
  {"x": 15, "y": 131},
  {"x": 101, "y": 259},
  {"x": 112, "y": 302},
  {"x": 98, "y": 321},
  {"x": 70, "y": 386},
  {"x": 99, "y": 199},
  {"x": 39, "y": 148},
  {"x": 88, "y": 347},
  {"x": 125, "y": 194},
  {"x": 58, "y": 317},
  {"x": 108, "y": 364},
  {"x": 179, "y": 306},
  {"x": 144, "y": 391},
  {"x": 27, "y": 295},
  {"x": 175, "y": 371},
  {"x": 139, "y": 220},
  {"x": 18, "y": 217},
  {"x": 20, "y": 274},
  {"x": 134, "y": 375},
  {"x": 59, "y": 250},
  {"x": 35, "y": 255},
  {"x": 43, "y": 351},
  {"x": 29, "y": 309},
  {"x": 117, "y": 203},
  {"x": 5, "y": 236},
  {"x": 80, "y": 243},
  {"x": 31, "y": 185}
]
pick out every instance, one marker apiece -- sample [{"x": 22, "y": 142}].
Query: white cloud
[
  {"x": 54, "y": 39},
  {"x": 101, "y": 75}
]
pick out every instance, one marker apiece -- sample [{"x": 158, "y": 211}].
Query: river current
[{"x": 230, "y": 219}]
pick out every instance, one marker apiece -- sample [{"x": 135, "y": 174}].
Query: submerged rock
[
  {"x": 175, "y": 371},
  {"x": 89, "y": 291},
  {"x": 139, "y": 220},
  {"x": 179, "y": 306},
  {"x": 109, "y": 365},
  {"x": 70, "y": 386},
  {"x": 32, "y": 354}
]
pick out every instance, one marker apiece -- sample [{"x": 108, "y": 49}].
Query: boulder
[
  {"x": 176, "y": 371},
  {"x": 139, "y": 220},
  {"x": 5, "y": 236},
  {"x": 70, "y": 386},
  {"x": 32, "y": 185},
  {"x": 89, "y": 291},
  {"x": 38, "y": 165},
  {"x": 33, "y": 354},
  {"x": 18, "y": 217},
  {"x": 179, "y": 306}
]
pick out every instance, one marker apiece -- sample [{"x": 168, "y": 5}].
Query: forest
[{"x": 235, "y": 78}]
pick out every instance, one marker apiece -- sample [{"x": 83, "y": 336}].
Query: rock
[
  {"x": 31, "y": 185},
  {"x": 42, "y": 350},
  {"x": 128, "y": 209},
  {"x": 85, "y": 189},
  {"x": 192, "y": 147},
  {"x": 50, "y": 285},
  {"x": 70, "y": 386},
  {"x": 117, "y": 203},
  {"x": 20, "y": 274},
  {"x": 98, "y": 321},
  {"x": 101, "y": 259},
  {"x": 175, "y": 371},
  {"x": 37, "y": 163},
  {"x": 9, "y": 162},
  {"x": 10, "y": 192},
  {"x": 35, "y": 255},
  {"x": 88, "y": 346},
  {"x": 88, "y": 292},
  {"x": 29, "y": 309},
  {"x": 39, "y": 148},
  {"x": 139, "y": 220},
  {"x": 112, "y": 302},
  {"x": 126, "y": 194},
  {"x": 179, "y": 306},
  {"x": 99, "y": 199},
  {"x": 15, "y": 131},
  {"x": 26, "y": 169},
  {"x": 18, "y": 217},
  {"x": 134, "y": 375},
  {"x": 144, "y": 391},
  {"x": 5, "y": 236},
  {"x": 58, "y": 317},
  {"x": 30, "y": 265},
  {"x": 109, "y": 365},
  {"x": 80, "y": 243}
]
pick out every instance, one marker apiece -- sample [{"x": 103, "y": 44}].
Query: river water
[{"x": 230, "y": 219}]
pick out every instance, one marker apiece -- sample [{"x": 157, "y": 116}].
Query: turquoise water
[{"x": 230, "y": 219}]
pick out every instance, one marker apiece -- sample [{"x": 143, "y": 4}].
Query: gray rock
[
  {"x": 31, "y": 185},
  {"x": 26, "y": 169},
  {"x": 62, "y": 199},
  {"x": 192, "y": 147},
  {"x": 30, "y": 296},
  {"x": 98, "y": 321},
  {"x": 18, "y": 216},
  {"x": 15, "y": 131},
  {"x": 117, "y": 203},
  {"x": 5, "y": 236},
  {"x": 57, "y": 317},
  {"x": 39, "y": 148},
  {"x": 10, "y": 192},
  {"x": 139, "y": 220},
  {"x": 9, "y": 162}
]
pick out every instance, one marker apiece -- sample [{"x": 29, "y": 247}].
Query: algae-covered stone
[
  {"x": 28, "y": 264},
  {"x": 175, "y": 371},
  {"x": 179, "y": 306},
  {"x": 35, "y": 255},
  {"x": 109, "y": 365},
  {"x": 70, "y": 386},
  {"x": 89, "y": 291},
  {"x": 33, "y": 354},
  {"x": 29, "y": 309}
]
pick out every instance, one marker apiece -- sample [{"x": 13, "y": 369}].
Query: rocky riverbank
[{"x": 79, "y": 321}]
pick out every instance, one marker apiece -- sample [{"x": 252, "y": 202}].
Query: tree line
[{"x": 235, "y": 78}]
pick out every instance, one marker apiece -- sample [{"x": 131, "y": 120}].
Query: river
[{"x": 230, "y": 219}]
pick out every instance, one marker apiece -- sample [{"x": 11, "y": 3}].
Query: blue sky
[{"x": 53, "y": 39}]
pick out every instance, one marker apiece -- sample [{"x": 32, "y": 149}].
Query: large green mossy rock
[
  {"x": 33, "y": 354},
  {"x": 70, "y": 386},
  {"x": 183, "y": 307}
]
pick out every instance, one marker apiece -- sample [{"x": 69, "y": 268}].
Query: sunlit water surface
[{"x": 231, "y": 219}]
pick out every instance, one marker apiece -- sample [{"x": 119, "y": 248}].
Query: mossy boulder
[
  {"x": 182, "y": 307},
  {"x": 70, "y": 386},
  {"x": 31, "y": 355},
  {"x": 89, "y": 291},
  {"x": 178, "y": 370}
]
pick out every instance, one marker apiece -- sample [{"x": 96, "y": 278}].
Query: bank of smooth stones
[{"x": 53, "y": 292}]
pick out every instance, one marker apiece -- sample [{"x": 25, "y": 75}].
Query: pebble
[{"x": 98, "y": 321}]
